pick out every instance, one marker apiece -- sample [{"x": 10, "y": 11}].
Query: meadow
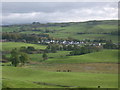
[
  {"x": 38, "y": 57},
  {"x": 105, "y": 56},
  {"x": 7, "y": 46},
  {"x": 24, "y": 77}
]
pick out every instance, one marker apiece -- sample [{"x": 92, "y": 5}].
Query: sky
[{"x": 45, "y": 12}]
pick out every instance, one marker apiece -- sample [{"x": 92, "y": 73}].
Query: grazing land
[
  {"x": 107, "y": 56},
  {"x": 28, "y": 76},
  {"x": 60, "y": 55},
  {"x": 7, "y": 46}
]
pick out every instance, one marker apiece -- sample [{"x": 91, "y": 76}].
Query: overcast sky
[{"x": 43, "y": 12}]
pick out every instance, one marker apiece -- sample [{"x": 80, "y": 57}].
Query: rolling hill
[
  {"x": 105, "y": 56},
  {"x": 78, "y": 30}
]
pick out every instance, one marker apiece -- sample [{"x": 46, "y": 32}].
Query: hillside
[
  {"x": 77, "y": 30},
  {"x": 108, "y": 56}
]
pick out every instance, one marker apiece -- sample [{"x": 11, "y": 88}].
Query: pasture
[
  {"x": 7, "y": 46},
  {"x": 25, "y": 77},
  {"x": 38, "y": 57},
  {"x": 105, "y": 56}
]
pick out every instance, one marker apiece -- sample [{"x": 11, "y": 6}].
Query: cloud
[{"x": 17, "y": 13}]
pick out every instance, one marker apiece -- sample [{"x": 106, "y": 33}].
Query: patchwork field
[
  {"x": 91, "y": 30},
  {"x": 60, "y": 70}
]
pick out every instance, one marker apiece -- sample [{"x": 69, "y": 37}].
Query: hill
[{"x": 78, "y": 30}]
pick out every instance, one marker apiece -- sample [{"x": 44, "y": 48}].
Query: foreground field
[
  {"x": 24, "y": 77},
  {"x": 7, "y": 46}
]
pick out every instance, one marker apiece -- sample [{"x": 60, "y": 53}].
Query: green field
[
  {"x": 7, "y": 46},
  {"x": 38, "y": 57},
  {"x": 102, "y": 56},
  {"x": 24, "y": 77}
]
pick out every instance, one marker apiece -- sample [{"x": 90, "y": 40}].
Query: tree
[
  {"x": 14, "y": 57},
  {"x": 23, "y": 58},
  {"x": 44, "y": 56},
  {"x": 17, "y": 57},
  {"x": 23, "y": 49},
  {"x": 30, "y": 49}
]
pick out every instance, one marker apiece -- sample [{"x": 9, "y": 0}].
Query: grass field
[
  {"x": 102, "y": 56},
  {"x": 7, "y": 46},
  {"x": 38, "y": 57},
  {"x": 24, "y": 77}
]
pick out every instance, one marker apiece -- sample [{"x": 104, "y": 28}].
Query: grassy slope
[
  {"x": 107, "y": 56},
  {"x": 73, "y": 29},
  {"x": 59, "y": 54},
  {"x": 10, "y": 45},
  {"x": 22, "y": 77},
  {"x": 102, "y": 56}
]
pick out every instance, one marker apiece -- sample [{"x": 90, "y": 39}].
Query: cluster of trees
[
  {"x": 59, "y": 47},
  {"x": 110, "y": 45},
  {"x": 31, "y": 50},
  {"x": 32, "y": 38},
  {"x": 18, "y": 57},
  {"x": 52, "y": 48},
  {"x": 85, "y": 50},
  {"x": 76, "y": 49},
  {"x": 116, "y": 32},
  {"x": 109, "y": 33},
  {"x": 28, "y": 49}
]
